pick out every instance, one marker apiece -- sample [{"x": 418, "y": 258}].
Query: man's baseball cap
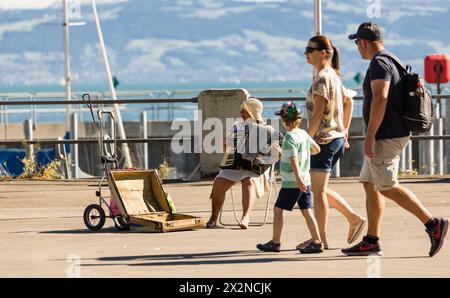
[
  {"x": 368, "y": 31},
  {"x": 289, "y": 110}
]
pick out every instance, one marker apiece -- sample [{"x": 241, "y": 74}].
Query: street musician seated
[{"x": 251, "y": 147}]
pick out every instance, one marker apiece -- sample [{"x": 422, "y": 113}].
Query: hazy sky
[{"x": 41, "y": 4}]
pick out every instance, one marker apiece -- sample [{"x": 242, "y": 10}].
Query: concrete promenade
[{"x": 41, "y": 227}]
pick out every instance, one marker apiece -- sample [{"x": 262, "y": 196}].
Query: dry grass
[
  {"x": 51, "y": 170},
  {"x": 31, "y": 170},
  {"x": 164, "y": 169},
  {"x": 412, "y": 172}
]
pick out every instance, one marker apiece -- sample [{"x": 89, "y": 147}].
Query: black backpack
[{"x": 417, "y": 115}]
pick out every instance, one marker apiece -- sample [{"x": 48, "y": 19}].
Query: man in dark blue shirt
[
  {"x": 382, "y": 68},
  {"x": 385, "y": 139}
]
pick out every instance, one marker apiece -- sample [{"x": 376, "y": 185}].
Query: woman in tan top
[{"x": 329, "y": 109}]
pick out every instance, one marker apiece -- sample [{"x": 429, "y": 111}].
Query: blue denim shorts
[
  {"x": 328, "y": 156},
  {"x": 288, "y": 197}
]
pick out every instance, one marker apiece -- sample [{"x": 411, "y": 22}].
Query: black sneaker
[
  {"x": 437, "y": 235},
  {"x": 269, "y": 246},
  {"x": 312, "y": 248},
  {"x": 363, "y": 248}
]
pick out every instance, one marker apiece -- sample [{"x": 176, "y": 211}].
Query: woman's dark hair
[{"x": 323, "y": 43}]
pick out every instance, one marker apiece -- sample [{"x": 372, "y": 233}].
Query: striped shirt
[{"x": 296, "y": 143}]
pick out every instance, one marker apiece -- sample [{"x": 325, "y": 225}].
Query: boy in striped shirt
[{"x": 295, "y": 186}]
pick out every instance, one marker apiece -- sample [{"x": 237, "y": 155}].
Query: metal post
[
  {"x": 440, "y": 146},
  {"x": 33, "y": 110},
  {"x": 438, "y": 79},
  {"x": 67, "y": 62},
  {"x": 125, "y": 149},
  {"x": 431, "y": 152},
  {"x": 4, "y": 121},
  {"x": 439, "y": 120},
  {"x": 61, "y": 154},
  {"x": 403, "y": 160},
  {"x": 112, "y": 134},
  {"x": 144, "y": 135},
  {"x": 28, "y": 132},
  {"x": 338, "y": 169},
  {"x": 318, "y": 17},
  {"x": 410, "y": 157},
  {"x": 74, "y": 147},
  {"x": 317, "y": 23}
]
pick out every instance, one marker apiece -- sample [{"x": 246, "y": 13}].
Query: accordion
[{"x": 252, "y": 148}]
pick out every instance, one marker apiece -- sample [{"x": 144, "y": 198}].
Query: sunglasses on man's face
[{"x": 357, "y": 41}]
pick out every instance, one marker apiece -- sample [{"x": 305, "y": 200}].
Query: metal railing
[{"x": 406, "y": 157}]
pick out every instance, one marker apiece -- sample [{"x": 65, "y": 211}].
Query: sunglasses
[
  {"x": 357, "y": 41},
  {"x": 311, "y": 49}
]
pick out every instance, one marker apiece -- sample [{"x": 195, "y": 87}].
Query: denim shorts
[
  {"x": 328, "y": 156},
  {"x": 288, "y": 197}
]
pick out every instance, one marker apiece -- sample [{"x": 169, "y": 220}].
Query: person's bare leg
[
  {"x": 312, "y": 225},
  {"x": 355, "y": 220},
  {"x": 375, "y": 208},
  {"x": 277, "y": 224},
  {"x": 319, "y": 182},
  {"x": 408, "y": 201},
  {"x": 220, "y": 187},
  {"x": 341, "y": 205},
  {"x": 248, "y": 196}
]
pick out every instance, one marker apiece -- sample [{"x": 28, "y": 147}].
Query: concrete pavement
[{"x": 42, "y": 234}]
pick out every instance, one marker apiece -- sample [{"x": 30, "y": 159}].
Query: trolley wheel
[
  {"x": 122, "y": 224},
  {"x": 94, "y": 217}
]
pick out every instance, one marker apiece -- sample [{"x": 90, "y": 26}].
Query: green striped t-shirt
[{"x": 295, "y": 143}]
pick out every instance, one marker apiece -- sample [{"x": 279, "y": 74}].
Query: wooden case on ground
[{"x": 142, "y": 201}]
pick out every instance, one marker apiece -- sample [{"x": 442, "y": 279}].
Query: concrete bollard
[
  {"x": 221, "y": 104},
  {"x": 144, "y": 134}
]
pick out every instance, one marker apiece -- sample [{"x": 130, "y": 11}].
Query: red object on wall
[{"x": 431, "y": 63}]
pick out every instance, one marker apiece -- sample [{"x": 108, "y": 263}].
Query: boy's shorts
[
  {"x": 382, "y": 170},
  {"x": 328, "y": 156},
  {"x": 288, "y": 197}
]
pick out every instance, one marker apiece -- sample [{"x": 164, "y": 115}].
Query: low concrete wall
[{"x": 221, "y": 104}]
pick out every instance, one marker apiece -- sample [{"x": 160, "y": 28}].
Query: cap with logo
[{"x": 289, "y": 110}]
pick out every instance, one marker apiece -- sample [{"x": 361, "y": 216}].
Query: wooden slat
[
  {"x": 166, "y": 222},
  {"x": 132, "y": 192},
  {"x": 158, "y": 192}
]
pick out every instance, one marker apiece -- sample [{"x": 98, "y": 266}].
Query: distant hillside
[{"x": 151, "y": 41}]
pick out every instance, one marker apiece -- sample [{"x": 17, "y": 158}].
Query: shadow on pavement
[
  {"x": 430, "y": 181},
  {"x": 84, "y": 231},
  {"x": 217, "y": 258}
]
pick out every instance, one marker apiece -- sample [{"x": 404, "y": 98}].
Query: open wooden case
[{"x": 141, "y": 199}]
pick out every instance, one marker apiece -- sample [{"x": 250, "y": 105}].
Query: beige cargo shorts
[{"x": 382, "y": 170}]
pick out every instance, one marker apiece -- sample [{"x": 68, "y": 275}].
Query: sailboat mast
[
  {"x": 67, "y": 62},
  {"x": 121, "y": 129},
  {"x": 317, "y": 17}
]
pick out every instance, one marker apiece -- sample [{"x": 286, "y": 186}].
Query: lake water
[{"x": 155, "y": 112}]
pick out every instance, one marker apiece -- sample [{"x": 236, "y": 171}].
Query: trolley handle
[{"x": 100, "y": 118}]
